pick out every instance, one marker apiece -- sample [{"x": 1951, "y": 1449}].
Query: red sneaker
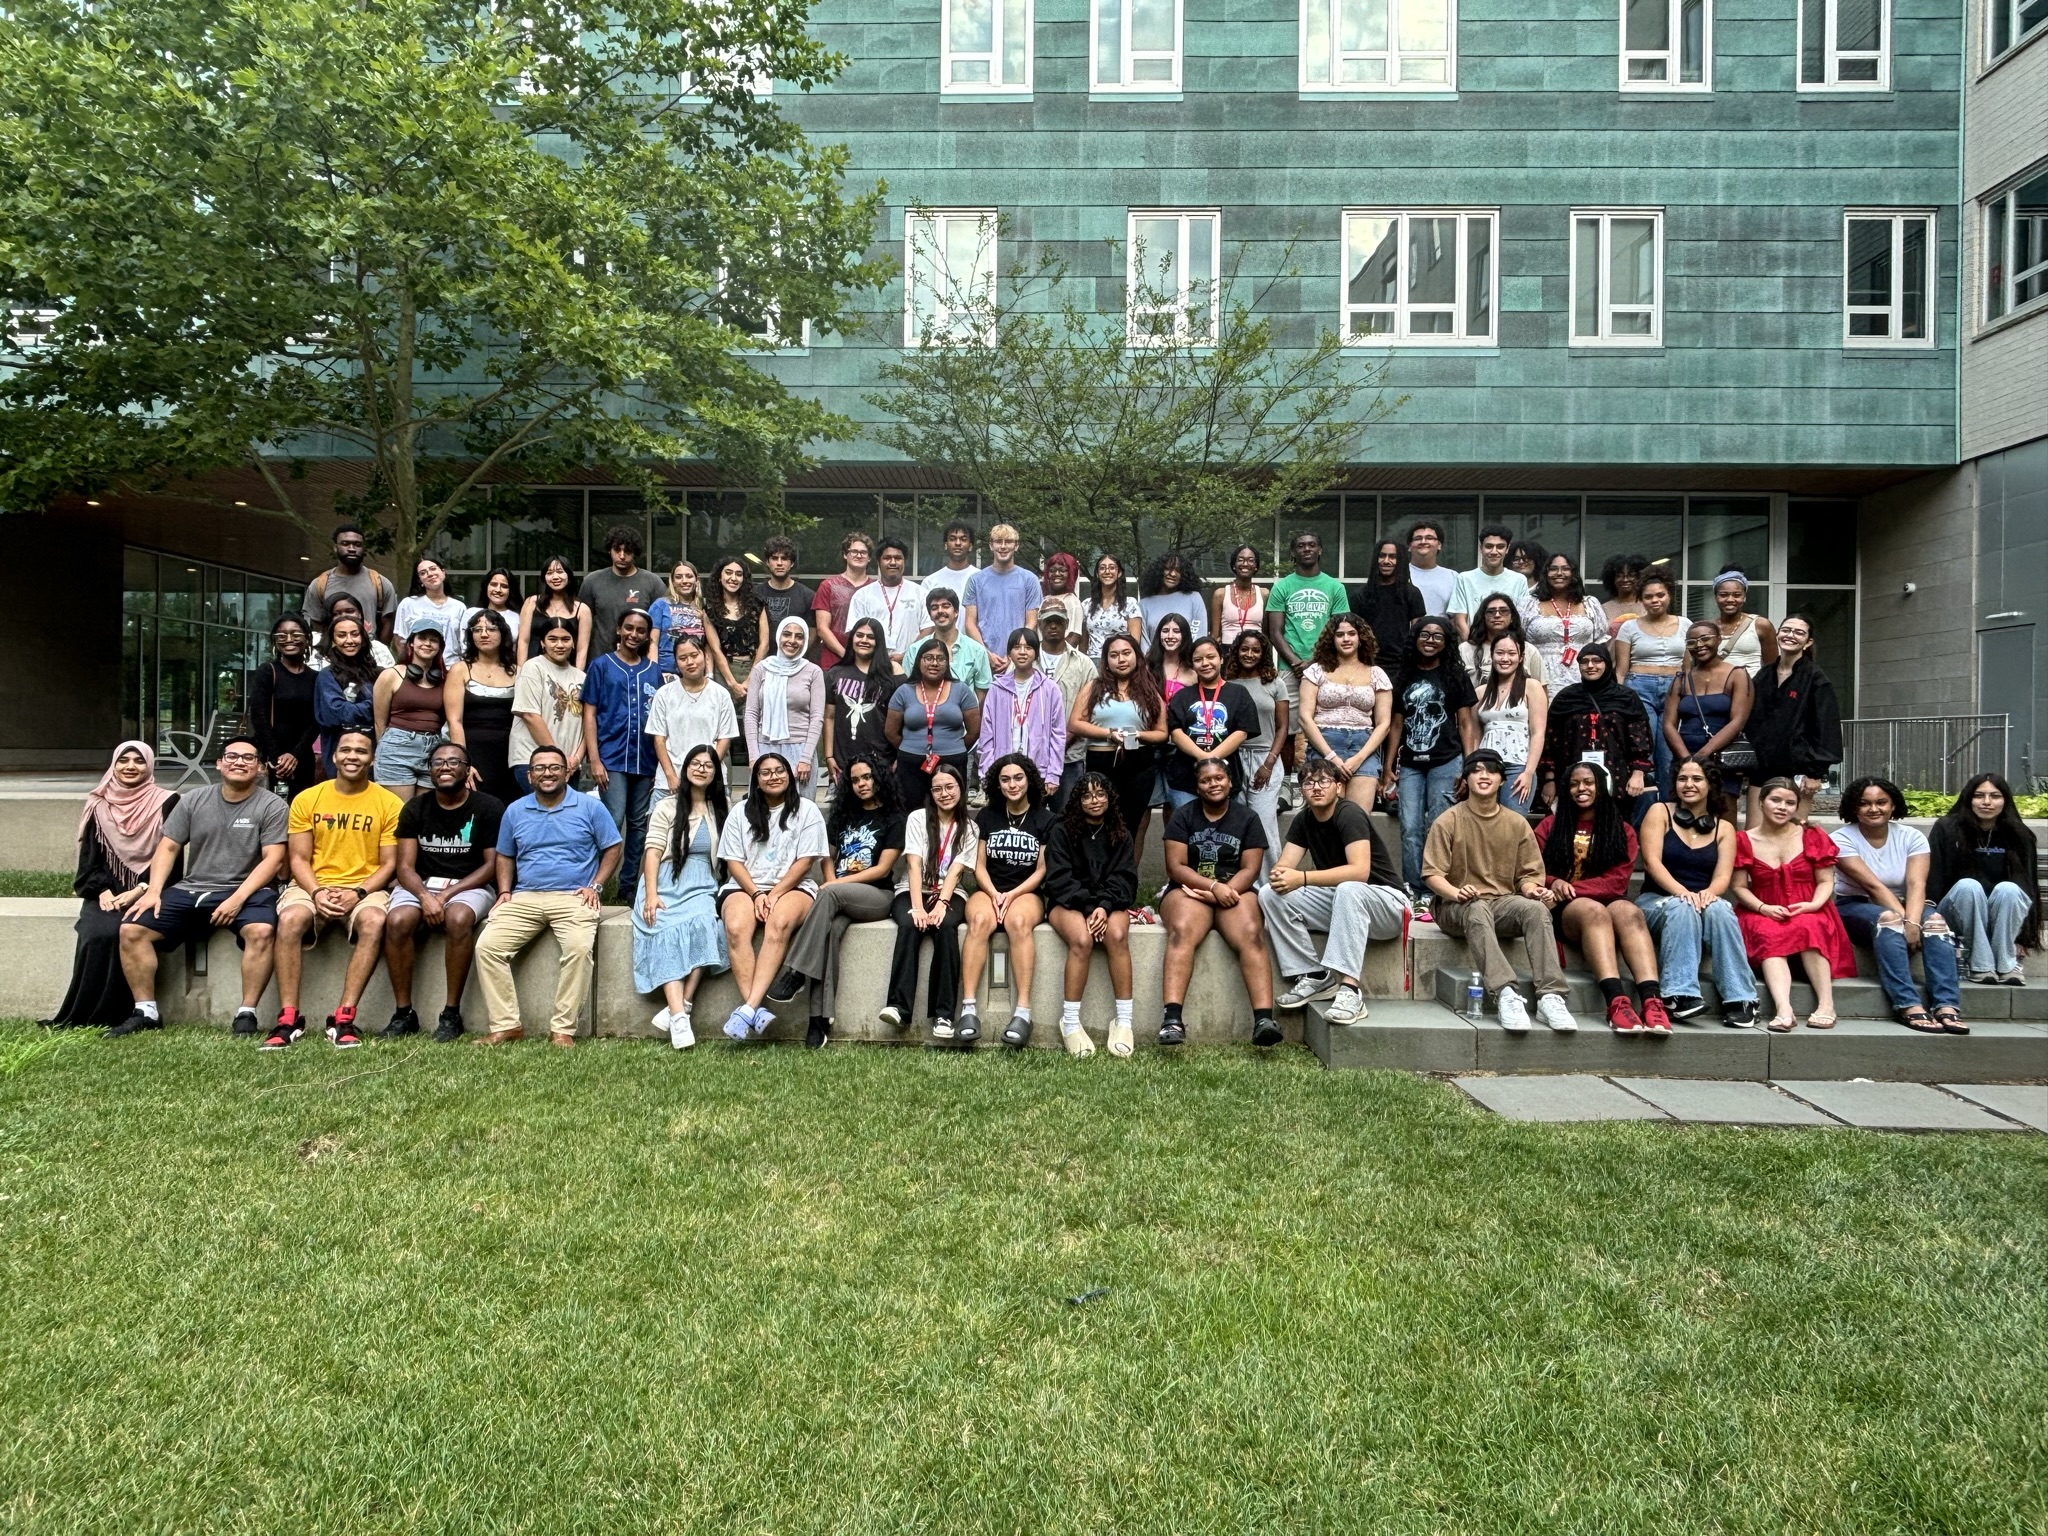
[
  {"x": 1655, "y": 1020},
  {"x": 1622, "y": 1016}
]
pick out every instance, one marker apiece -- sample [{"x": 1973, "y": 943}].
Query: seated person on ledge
[
  {"x": 1215, "y": 849},
  {"x": 447, "y": 876}
]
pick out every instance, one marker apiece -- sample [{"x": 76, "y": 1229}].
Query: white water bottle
[{"x": 1475, "y": 997}]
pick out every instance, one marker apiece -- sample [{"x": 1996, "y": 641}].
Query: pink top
[{"x": 1345, "y": 706}]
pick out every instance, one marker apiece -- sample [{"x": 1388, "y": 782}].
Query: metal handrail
[{"x": 1936, "y": 752}]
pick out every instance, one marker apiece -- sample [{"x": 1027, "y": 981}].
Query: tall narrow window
[
  {"x": 1617, "y": 278},
  {"x": 2016, "y": 248},
  {"x": 985, "y": 47},
  {"x": 1137, "y": 44},
  {"x": 1888, "y": 276},
  {"x": 2012, "y": 23},
  {"x": 1368, "y": 45},
  {"x": 1419, "y": 277},
  {"x": 949, "y": 261},
  {"x": 1171, "y": 269},
  {"x": 1845, "y": 45},
  {"x": 1666, "y": 45}
]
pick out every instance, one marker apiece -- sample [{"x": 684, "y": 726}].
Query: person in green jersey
[{"x": 1297, "y": 608}]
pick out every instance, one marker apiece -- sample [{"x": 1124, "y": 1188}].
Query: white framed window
[
  {"x": 1173, "y": 287},
  {"x": 2010, "y": 23},
  {"x": 2016, "y": 247},
  {"x": 985, "y": 47},
  {"x": 949, "y": 264},
  {"x": 1370, "y": 45},
  {"x": 1136, "y": 45},
  {"x": 1887, "y": 278},
  {"x": 1420, "y": 276},
  {"x": 1845, "y": 45},
  {"x": 1667, "y": 45},
  {"x": 1617, "y": 277}
]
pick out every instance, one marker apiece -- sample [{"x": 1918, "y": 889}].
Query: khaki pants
[
  {"x": 515, "y": 923},
  {"x": 1482, "y": 923}
]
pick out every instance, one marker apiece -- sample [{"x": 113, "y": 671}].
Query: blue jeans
[
  {"x": 1987, "y": 924},
  {"x": 1652, "y": 690},
  {"x": 1176, "y": 798},
  {"x": 1345, "y": 740},
  {"x": 1519, "y": 804},
  {"x": 1424, "y": 794},
  {"x": 1681, "y": 932},
  {"x": 629, "y": 796},
  {"x": 1895, "y": 962}
]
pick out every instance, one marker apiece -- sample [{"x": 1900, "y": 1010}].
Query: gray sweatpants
[
  {"x": 814, "y": 952},
  {"x": 1350, "y": 914}
]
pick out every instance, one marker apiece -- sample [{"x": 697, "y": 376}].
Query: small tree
[
  {"x": 463, "y": 240},
  {"x": 1176, "y": 425}
]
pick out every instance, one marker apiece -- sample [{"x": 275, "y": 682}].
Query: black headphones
[{"x": 1704, "y": 822}]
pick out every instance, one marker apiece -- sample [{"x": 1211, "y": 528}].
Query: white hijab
[{"x": 777, "y": 669}]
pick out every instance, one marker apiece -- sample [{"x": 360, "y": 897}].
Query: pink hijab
[{"x": 129, "y": 821}]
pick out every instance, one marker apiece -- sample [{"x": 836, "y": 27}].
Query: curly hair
[
  {"x": 1326, "y": 655},
  {"x": 846, "y": 806},
  {"x": 1852, "y": 797},
  {"x": 1034, "y": 791},
  {"x": 1618, "y": 566},
  {"x": 1153, "y": 582},
  {"x": 1609, "y": 846},
  {"x": 1233, "y": 666},
  {"x": 1075, "y": 820},
  {"x": 715, "y": 600}
]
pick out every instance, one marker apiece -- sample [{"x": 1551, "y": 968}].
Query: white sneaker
[
  {"x": 1513, "y": 1012},
  {"x": 1551, "y": 1009},
  {"x": 1349, "y": 1007},
  {"x": 893, "y": 1017},
  {"x": 1308, "y": 989},
  {"x": 680, "y": 1035},
  {"x": 660, "y": 1021}
]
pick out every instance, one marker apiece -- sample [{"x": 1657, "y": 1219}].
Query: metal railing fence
[{"x": 1927, "y": 752}]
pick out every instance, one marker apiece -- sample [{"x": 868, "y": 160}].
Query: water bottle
[{"x": 1475, "y": 997}]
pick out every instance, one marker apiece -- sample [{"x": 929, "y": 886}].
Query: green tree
[
  {"x": 1178, "y": 424},
  {"x": 460, "y": 240}
]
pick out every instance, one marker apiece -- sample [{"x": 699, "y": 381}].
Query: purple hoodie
[{"x": 1043, "y": 735}]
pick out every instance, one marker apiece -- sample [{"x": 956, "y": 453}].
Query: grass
[
  {"x": 425, "y": 1289},
  {"x": 34, "y": 882}
]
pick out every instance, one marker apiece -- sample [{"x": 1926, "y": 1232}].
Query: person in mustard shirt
[{"x": 343, "y": 852}]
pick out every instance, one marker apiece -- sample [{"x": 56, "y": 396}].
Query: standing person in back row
[
  {"x": 374, "y": 594},
  {"x": 1433, "y": 581},
  {"x": 830, "y": 607},
  {"x": 959, "y": 563},
  {"x": 1389, "y": 603},
  {"x": 892, "y": 601},
  {"x": 1002, "y": 599},
  {"x": 556, "y": 849},
  {"x": 1297, "y": 608},
  {"x": 618, "y": 702},
  {"x": 1491, "y": 575},
  {"x": 621, "y": 585},
  {"x": 446, "y": 879},
  {"x": 782, "y": 595}
]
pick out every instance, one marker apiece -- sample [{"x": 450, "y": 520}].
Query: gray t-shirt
[
  {"x": 224, "y": 839},
  {"x": 609, "y": 595},
  {"x": 372, "y": 592}
]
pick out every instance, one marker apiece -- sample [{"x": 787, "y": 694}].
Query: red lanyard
[
  {"x": 1202, "y": 698},
  {"x": 1244, "y": 614},
  {"x": 1020, "y": 705},
  {"x": 931, "y": 724},
  {"x": 933, "y": 875}
]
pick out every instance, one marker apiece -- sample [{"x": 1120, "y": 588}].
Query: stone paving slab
[
  {"x": 1396, "y": 1036},
  {"x": 1896, "y": 1106},
  {"x": 2026, "y": 1103},
  {"x": 1722, "y": 1103},
  {"x": 1556, "y": 1098}
]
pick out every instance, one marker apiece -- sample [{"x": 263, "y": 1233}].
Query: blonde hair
[
  {"x": 1004, "y": 531},
  {"x": 683, "y": 565}
]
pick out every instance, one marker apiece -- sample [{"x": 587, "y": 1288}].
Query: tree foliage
[
  {"x": 1182, "y": 429},
  {"x": 459, "y": 239}
]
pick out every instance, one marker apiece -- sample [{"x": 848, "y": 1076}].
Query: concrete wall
[{"x": 1917, "y": 651}]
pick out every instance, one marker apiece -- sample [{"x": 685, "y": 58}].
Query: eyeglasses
[{"x": 240, "y": 757}]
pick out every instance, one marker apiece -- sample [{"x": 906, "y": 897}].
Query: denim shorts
[
  {"x": 402, "y": 757},
  {"x": 1344, "y": 741}
]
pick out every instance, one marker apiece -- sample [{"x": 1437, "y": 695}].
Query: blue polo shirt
[
  {"x": 557, "y": 849},
  {"x": 622, "y": 696}
]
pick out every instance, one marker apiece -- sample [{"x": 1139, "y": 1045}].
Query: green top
[{"x": 1308, "y": 602}]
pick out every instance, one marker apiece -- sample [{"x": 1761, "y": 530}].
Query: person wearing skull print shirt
[{"x": 1434, "y": 726}]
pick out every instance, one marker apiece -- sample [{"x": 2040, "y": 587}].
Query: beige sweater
[{"x": 1497, "y": 853}]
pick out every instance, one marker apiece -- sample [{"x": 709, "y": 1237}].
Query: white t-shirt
[
  {"x": 447, "y": 617},
  {"x": 556, "y": 695},
  {"x": 684, "y": 719},
  {"x": 1474, "y": 587},
  {"x": 509, "y": 615},
  {"x": 953, "y": 581},
  {"x": 1436, "y": 585},
  {"x": 1888, "y": 863},
  {"x": 959, "y": 849},
  {"x": 767, "y": 862},
  {"x": 898, "y": 609}
]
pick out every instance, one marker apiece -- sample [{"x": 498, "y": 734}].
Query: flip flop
[
  {"x": 1917, "y": 1019},
  {"x": 1820, "y": 1021},
  {"x": 1782, "y": 1024},
  {"x": 1949, "y": 1020}
]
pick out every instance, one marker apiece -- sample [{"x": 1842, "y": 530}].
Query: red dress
[{"x": 1794, "y": 882}]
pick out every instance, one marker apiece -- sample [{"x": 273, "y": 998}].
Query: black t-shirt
[
  {"x": 859, "y": 702},
  {"x": 795, "y": 602},
  {"x": 1216, "y": 848},
  {"x": 452, "y": 843},
  {"x": 1208, "y": 721},
  {"x": 1327, "y": 840},
  {"x": 1011, "y": 845},
  {"x": 861, "y": 845},
  {"x": 1428, "y": 705}
]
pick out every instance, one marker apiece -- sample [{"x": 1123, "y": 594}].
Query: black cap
[{"x": 1485, "y": 757}]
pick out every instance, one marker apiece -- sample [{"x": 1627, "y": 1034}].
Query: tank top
[
  {"x": 1506, "y": 731},
  {"x": 1648, "y": 650},
  {"x": 1117, "y": 715},
  {"x": 1237, "y": 620},
  {"x": 1691, "y": 867},
  {"x": 417, "y": 708},
  {"x": 1701, "y": 716},
  {"x": 1743, "y": 648},
  {"x": 1345, "y": 706}
]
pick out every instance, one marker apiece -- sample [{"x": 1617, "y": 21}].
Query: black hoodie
[{"x": 1086, "y": 872}]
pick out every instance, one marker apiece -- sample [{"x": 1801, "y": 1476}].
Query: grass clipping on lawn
[{"x": 424, "y": 1288}]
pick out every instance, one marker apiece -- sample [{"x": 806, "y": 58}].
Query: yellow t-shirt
[{"x": 348, "y": 830}]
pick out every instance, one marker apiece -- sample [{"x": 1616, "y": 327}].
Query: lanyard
[
  {"x": 933, "y": 875},
  {"x": 1570, "y": 653},
  {"x": 1020, "y": 704},
  {"x": 931, "y": 723},
  {"x": 1203, "y": 697}
]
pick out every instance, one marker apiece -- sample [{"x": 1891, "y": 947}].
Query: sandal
[
  {"x": 1916, "y": 1019},
  {"x": 1948, "y": 1020},
  {"x": 1782, "y": 1024},
  {"x": 1820, "y": 1021}
]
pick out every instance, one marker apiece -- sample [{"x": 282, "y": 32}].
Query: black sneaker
[
  {"x": 403, "y": 1022},
  {"x": 1173, "y": 1032},
  {"x": 816, "y": 1033},
  {"x": 344, "y": 1033},
  {"x": 1267, "y": 1032},
  {"x": 1739, "y": 1016},
  {"x": 290, "y": 1025},
  {"x": 1685, "y": 1007},
  {"x": 968, "y": 1030},
  {"x": 785, "y": 987},
  {"x": 246, "y": 1022},
  {"x": 448, "y": 1027},
  {"x": 138, "y": 1020}
]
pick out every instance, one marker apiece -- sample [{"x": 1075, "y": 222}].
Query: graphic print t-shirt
[
  {"x": 452, "y": 843},
  {"x": 861, "y": 845},
  {"x": 1013, "y": 846},
  {"x": 1207, "y": 720},
  {"x": 1216, "y": 849},
  {"x": 348, "y": 830},
  {"x": 1428, "y": 706}
]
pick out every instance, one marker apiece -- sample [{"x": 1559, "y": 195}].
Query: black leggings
[
  {"x": 1131, "y": 774},
  {"x": 943, "y": 991}
]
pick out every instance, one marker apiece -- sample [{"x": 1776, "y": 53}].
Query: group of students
[{"x": 915, "y": 699}]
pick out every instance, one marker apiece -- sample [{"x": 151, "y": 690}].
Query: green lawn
[
  {"x": 35, "y": 882},
  {"x": 428, "y": 1289}
]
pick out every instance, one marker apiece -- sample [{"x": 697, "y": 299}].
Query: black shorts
[{"x": 186, "y": 916}]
